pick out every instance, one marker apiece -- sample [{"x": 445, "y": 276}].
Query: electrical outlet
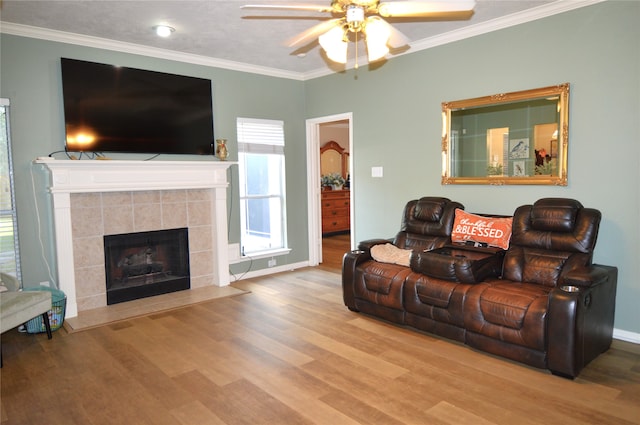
[
  {"x": 46, "y": 283},
  {"x": 272, "y": 262}
]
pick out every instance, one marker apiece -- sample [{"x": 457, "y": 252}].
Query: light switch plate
[{"x": 376, "y": 172}]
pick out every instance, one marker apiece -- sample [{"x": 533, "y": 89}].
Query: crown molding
[
  {"x": 138, "y": 49},
  {"x": 550, "y": 9},
  {"x": 503, "y": 22}
]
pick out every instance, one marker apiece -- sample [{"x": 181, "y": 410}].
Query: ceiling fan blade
[
  {"x": 424, "y": 8},
  {"x": 304, "y": 7},
  {"x": 396, "y": 38},
  {"x": 314, "y": 32}
]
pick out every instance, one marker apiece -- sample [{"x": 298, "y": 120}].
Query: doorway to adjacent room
[{"x": 336, "y": 128}]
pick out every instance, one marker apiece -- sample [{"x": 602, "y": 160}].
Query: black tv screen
[{"x": 110, "y": 108}]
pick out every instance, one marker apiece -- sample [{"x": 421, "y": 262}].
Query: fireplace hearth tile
[
  {"x": 118, "y": 219},
  {"x": 147, "y": 217},
  {"x": 200, "y": 239},
  {"x": 198, "y": 195},
  {"x": 88, "y": 251},
  {"x": 146, "y": 197},
  {"x": 86, "y": 200},
  {"x": 199, "y": 213},
  {"x": 86, "y": 221},
  {"x": 90, "y": 281},
  {"x": 92, "y": 302},
  {"x": 116, "y": 198},
  {"x": 174, "y": 215},
  {"x": 201, "y": 264},
  {"x": 176, "y": 196},
  {"x": 132, "y": 309}
]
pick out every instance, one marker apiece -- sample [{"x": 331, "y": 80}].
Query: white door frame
[{"x": 313, "y": 183}]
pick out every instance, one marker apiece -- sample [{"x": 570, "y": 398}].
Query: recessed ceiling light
[
  {"x": 163, "y": 30},
  {"x": 301, "y": 55}
]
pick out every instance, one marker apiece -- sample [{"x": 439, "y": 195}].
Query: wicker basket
[{"x": 56, "y": 314}]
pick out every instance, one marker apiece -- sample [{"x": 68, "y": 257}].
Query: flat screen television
[{"x": 110, "y": 108}]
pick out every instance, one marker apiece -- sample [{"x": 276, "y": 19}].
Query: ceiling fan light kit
[
  {"x": 378, "y": 33},
  {"x": 364, "y": 16},
  {"x": 335, "y": 44}
]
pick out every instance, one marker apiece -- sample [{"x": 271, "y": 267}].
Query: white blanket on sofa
[{"x": 389, "y": 253}]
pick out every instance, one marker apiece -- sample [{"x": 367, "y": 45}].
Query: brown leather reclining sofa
[{"x": 541, "y": 302}]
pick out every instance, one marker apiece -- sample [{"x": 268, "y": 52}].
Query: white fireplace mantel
[{"x": 85, "y": 176}]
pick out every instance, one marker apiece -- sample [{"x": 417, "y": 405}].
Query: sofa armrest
[
  {"x": 580, "y": 319},
  {"x": 350, "y": 261},
  {"x": 585, "y": 277},
  {"x": 366, "y": 245}
]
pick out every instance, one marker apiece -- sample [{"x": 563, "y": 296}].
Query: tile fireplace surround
[{"x": 93, "y": 198}]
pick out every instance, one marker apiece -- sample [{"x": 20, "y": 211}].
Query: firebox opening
[{"x": 145, "y": 264}]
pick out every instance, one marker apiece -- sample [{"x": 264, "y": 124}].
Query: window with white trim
[
  {"x": 262, "y": 186},
  {"x": 9, "y": 248}
]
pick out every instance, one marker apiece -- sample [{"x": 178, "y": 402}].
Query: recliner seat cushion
[
  {"x": 381, "y": 283},
  {"x": 434, "y": 298},
  {"x": 509, "y": 312},
  {"x": 436, "y": 294},
  {"x": 507, "y": 305}
]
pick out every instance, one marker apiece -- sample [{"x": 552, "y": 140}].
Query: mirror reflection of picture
[
  {"x": 519, "y": 149},
  {"x": 518, "y": 168}
]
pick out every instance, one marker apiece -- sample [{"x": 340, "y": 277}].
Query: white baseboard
[
  {"x": 626, "y": 336},
  {"x": 268, "y": 271}
]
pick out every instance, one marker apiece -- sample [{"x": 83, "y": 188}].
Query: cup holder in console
[{"x": 570, "y": 288}]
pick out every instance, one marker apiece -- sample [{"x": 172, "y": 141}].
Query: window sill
[{"x": 260, "y": 255}]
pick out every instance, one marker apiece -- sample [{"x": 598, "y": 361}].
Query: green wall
[
  {"x": 30, "y": 78},
  {"x": 397, "y": 125}
]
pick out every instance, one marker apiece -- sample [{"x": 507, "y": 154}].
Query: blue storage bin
[{"x": 56, "y": 314}]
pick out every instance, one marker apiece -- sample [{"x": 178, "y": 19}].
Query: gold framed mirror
[
  {"x": 334, "y": 159},
  {"x": 507, "y": 138}
]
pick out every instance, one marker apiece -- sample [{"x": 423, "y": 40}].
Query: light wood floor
[
  {"x": 333, "y": 249},
  {"x": 289, "y": 352}
]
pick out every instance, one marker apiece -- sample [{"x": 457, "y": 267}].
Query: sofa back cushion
[
  {"x": 426, "y": 223},
  {"x": 550, "y": 238},
  {"x": 556, "y": 224},
  {"x": 551, "y": 215}
]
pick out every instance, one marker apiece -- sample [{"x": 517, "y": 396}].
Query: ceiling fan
[{"x": 351, "y": 18}]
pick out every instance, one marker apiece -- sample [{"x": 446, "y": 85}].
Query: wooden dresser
[{"x": 335, "y": 211}]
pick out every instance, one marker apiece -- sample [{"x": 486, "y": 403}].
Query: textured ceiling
[{"x": 219, "y": 29}]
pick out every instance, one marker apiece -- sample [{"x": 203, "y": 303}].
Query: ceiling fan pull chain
[{"x": 356, "y": 66}]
